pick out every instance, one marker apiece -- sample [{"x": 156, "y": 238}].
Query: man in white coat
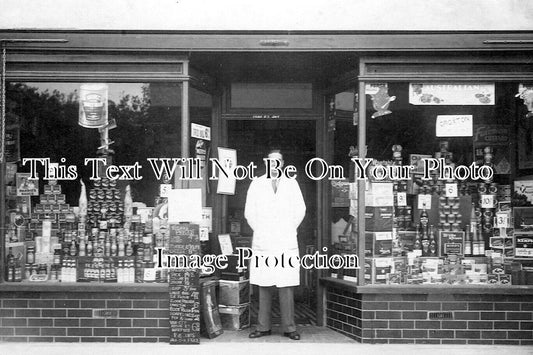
[{"x": 274, "y": 210}]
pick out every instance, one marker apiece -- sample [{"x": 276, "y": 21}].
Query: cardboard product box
[
  {"x": 379, "y": 188},
  {"x": 233, "y": 264},
  {"x": 523, "y": 219},
  {"x": 378, "y": 244},
  {"x": 451, "y": 243},
  {"x": 523, "y": 245},
  {"x": 493, "y": 279},
  {"x": 340, "y": 193},
  {"x": 504, "y": 279},
  {"x": 523, "y": 193},
  {"x": 368, "y": 270},
  {"x": 233, "y": 293},
  {"x": 381, "y": 270},
  {"x": 374, "y": 200},
  {"x": 235, "y": 317},
  {"x": 378, "y": 219},
  {"x": 235, "y": 226},
  {"x": 406, "y": 240},
  {"x": 504, "y": 193},
  {"x": 235, "y": 276},
  {"x": 241, "y": 242}
]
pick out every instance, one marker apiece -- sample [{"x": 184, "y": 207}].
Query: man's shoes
[
  {"x": 259, "y": 334},
  {"x": 293, "y": 335}
]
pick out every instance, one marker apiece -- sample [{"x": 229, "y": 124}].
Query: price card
[
  {"x": 204, "y": 234},
  {"x": 488, "y": 201},
  {"x": 424, "y": 202},
  {"x": 502, "y": 220},
  {"x": 451, "y": 190},
  {"x": 164, "y": 189},
  {"x": 402, "y": 199}
]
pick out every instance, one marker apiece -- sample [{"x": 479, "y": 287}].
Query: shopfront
[{"x": 443, "y": 260}]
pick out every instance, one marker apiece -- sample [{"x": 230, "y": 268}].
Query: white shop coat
[{"x": 274, "y": 218}]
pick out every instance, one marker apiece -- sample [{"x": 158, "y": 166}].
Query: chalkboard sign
[{"x": 184, "y": 287}]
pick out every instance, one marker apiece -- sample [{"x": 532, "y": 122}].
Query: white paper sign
[
  {"x": 207, "y": 218},
  {"x": 372, "y": 89},
  {"x": 164, "y": 189},
  {"x": 204, "y": 234},
  {"x": 451, "y": 94},
  {"x": 424, "y": 202},
  {"x": 226, "y": 248},
  {"x": 502, "y": 220},
  {"x": 402, "y": 199},
  {"x": 228, "y": 159},
  {"x": 200, "y": 132},
  {"x": 454, "y": 126},
  {"x": 184, "y": 205},
  {"x": 488, "y": 201},
  {"x": 451, "y": 190}
]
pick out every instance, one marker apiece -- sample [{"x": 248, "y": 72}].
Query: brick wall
[
  {"x": 403, "y": 318},
  {"x": 68, "y": 317}
]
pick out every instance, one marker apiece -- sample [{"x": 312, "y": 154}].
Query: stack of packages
[
  {"x": 379, "y": 201},
  {"x": 234, "y": 296}
]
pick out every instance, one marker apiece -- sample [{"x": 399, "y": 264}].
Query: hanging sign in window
[
  {"x": 454, "y": 126},
  {"x": 200, "y": 132},
  {"x": 451, "y": 94}
]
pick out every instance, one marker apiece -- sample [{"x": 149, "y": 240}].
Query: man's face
[{"x": 277, "y": 156}]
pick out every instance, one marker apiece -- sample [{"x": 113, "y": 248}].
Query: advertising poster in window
[
  {"x": 525, "y": 145},
  {"x": 26, "y": 186},
  {"x": 228, "y": 159},
  {"x": 498, "y": 138},
  {"x": 451, "y": 94}
]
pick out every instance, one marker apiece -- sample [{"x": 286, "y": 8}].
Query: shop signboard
[
  {"x": 451, "y": 94},
  {"x": 184, "y": 286}
]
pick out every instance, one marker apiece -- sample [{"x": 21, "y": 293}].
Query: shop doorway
[{"x": 297, "y": 140}]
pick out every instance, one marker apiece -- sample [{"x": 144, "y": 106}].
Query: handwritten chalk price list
[{"x": 184, "y": 287}]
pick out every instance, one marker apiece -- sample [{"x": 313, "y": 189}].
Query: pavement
[{"x": 255, "y": 348}]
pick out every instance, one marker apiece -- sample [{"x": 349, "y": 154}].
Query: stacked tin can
[
  {"x": 449, "y": 207},
  {"x": 488, "y": 191},
  {"x": 105, "y": 196}
]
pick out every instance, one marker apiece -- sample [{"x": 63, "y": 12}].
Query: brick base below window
[
  {"x": 68, "y": 317},
  {"x": 404, "y": 318}
]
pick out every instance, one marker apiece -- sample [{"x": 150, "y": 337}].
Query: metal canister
[{"x": 93, "y": 105}]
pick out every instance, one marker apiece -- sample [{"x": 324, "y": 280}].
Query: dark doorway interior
[{"x": 296, "y": 138}]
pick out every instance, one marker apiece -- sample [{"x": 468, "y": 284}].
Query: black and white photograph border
[{"x": 278, "y": 78}]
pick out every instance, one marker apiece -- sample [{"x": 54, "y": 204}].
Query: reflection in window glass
[{"x": 148, "y": 119}]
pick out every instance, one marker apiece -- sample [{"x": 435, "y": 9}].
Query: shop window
[
  {"x": 456, "y": 226},
  {"x": 45, "y": 231}
]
